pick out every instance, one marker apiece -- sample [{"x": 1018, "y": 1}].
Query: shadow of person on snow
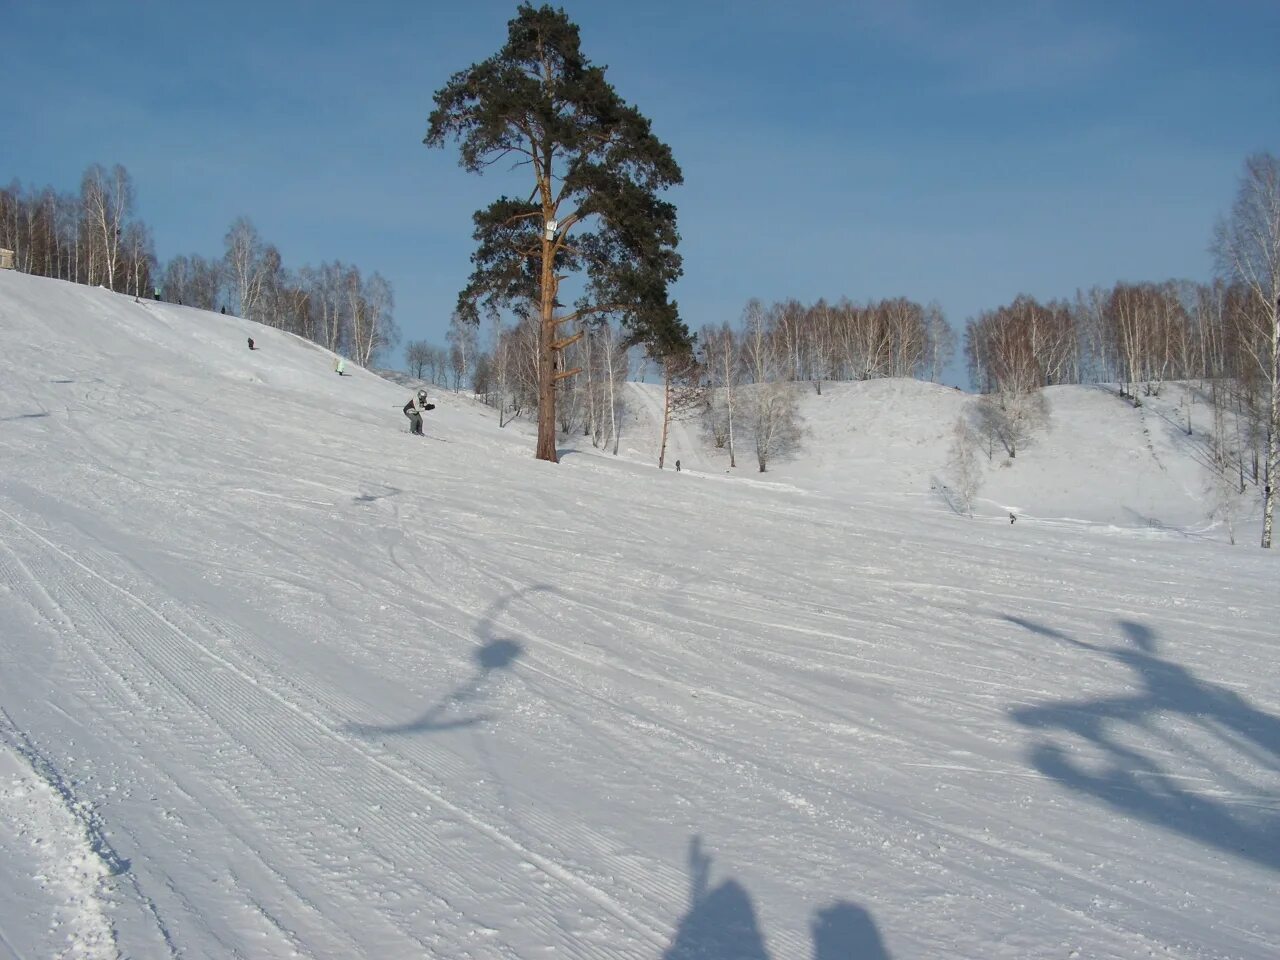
[
  {"x": 845, "y": 931},
  {"x": 721, "y": 923},
  {"x": 495, "y": 654},
  {"x": 1133, "y": 782}
]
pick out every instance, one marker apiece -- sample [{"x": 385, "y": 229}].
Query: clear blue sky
[{"x": 949, "y": 151}]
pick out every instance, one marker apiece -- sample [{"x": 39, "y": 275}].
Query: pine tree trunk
[
  {"x": 547, "y": 363},
  {"x": 666, "y": 420}
]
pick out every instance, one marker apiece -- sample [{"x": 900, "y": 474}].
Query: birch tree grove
[
  {"x": 1248, "y": 251},
  {"x": 589, "y": 201},
  {"x": 107, "y": 199},
  {"x": 846, "y": 341},
  {"x": 1143, "y": 325},
  {"x": 86, "y": 237},
  {"x": 91, "y": 237}
]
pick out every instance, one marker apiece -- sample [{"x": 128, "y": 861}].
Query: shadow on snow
[
  {"x": 494, "y": 654},
  {"x": 721, "y": 923},
  {"x": 1245, "y": 823}
]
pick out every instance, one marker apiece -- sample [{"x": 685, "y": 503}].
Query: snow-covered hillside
[
  {"x": 280, "y": 680},
  {"x": 1095, "y": 460}
]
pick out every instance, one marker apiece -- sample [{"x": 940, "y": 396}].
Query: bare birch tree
[
  {"x": 1247, "y": 245},
  {"x": 722, "y": 361},
  {"x": 681, "y": 392},
  {"x": 773, "y": 420},
  {"x": 244, "y": 266},
  {"x": 963, "y": 467}
]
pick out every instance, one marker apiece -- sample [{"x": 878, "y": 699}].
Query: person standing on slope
[{"x": 414, "y": 410}]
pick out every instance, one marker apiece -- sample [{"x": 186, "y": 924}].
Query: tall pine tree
[{"x": 595, "y": 170}]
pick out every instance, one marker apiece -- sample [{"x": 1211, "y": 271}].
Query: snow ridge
[{"x": 73, "y": 861}]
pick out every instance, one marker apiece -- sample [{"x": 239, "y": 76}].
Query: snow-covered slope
[
  {"x": 279, "y": 680},
  {"x": 1095, "y": 460}
]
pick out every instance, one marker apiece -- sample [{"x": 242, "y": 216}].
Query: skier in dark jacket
[{"x": 414, "y": 409}]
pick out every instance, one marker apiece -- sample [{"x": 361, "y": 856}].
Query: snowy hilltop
[{"x": 279, "y": 679}]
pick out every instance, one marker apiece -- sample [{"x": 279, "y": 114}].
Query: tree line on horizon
[
  {"x": 92, "y": 237},
  {"x": 1138, "y": 335},
  {"x": 780, "y": 343}
]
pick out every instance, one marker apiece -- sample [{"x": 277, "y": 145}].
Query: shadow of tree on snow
[{"x": 1241, "y": 817}]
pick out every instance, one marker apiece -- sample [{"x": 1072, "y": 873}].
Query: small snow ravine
[
  {"x": 50, "y": 864},
  {"x": 680, "y": 444}
]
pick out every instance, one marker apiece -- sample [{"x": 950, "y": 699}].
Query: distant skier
[
  {"x": 414, "y": 410},
  {"x": 677, "y": 466},
  {"x": 339, "y": 365},
  {"x": 251, "y": 346}
]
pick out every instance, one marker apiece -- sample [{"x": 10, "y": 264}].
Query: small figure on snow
[
  {"x": 251, "y": 346},
  {"x": 417, "y": 405},
  {"x": 339, "y": 365},
  {"x": 677, "y": 466},
  {"x": 1012, "y": 516}
]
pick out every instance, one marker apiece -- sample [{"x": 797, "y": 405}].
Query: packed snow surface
[{"x": 279, "y": 679}]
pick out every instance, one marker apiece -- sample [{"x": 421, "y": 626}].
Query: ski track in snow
[
  {"x": 167, "y": 659},
  {"x": 323, "y": 693}
]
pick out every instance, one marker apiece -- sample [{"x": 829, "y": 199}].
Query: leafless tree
[
  {"x": 244, "y": 266},
  {"x": 722, "y": 360},
  {"x": 1247, "y": 245},
  {"x": 773, "y": 420},
  {"x": 1013, "y": 418},
  {"x": 417, "y": 353},
  {"x": 940, "y": 342},
  {"x": 681, "y": 393},
  {"x": 137, "y": 258},
  {"x": 821, "y": 351},
  {"x": 614, "y": 355},
  {"x": 514, "y": 366},
  {"x": 482, "y": 377},
  {"x": 106, "y": 198},
  {"x": 1142, "y": 325},
  {"x": 963, "y": 468},
  {"x": 374, "y": 328},
  {"x": 462, "y": 339},
  {"x": 602, "y": 356},
  {"x": 205, "y": 283}
]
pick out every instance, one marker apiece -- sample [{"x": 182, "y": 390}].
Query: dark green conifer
[{"x": 594, "y": 172}]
